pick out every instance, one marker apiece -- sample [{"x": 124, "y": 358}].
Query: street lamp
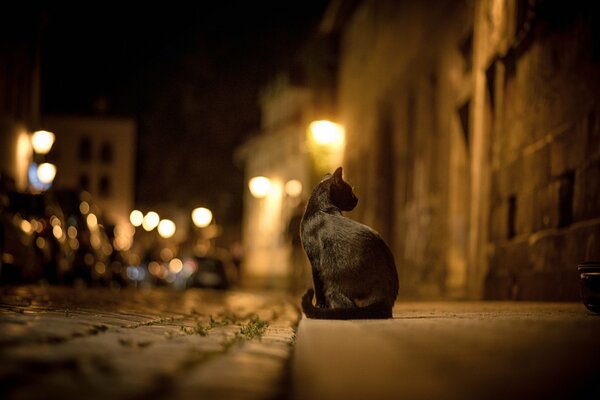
[
  {"x": 327, "y": 133},
  {"x": 42, "y": 141},
  {"x": 202, "y": 217},
  {"x": 293, "y": 188},
  {"x": 166, "y": 228},
  {"x": 136, "y": 218},
  {"x": 259, "y": 186},
  {"x": 46, "y": 173},
  {"x": 326, "y": 141},
  {"x": 150, "y": 221}
]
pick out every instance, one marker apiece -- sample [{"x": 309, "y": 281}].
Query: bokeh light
[{"x": 202, "y": 217}]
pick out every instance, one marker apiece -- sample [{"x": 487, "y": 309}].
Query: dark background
[{"x": 190, "y": 74}]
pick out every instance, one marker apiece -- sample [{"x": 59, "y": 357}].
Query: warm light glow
[
  {"x": 26, "y": 227},
  {"x": 327, "y": 133},
  {"x": 166, "y": 228},
  {"x": 202, "y": 217},
  {"x": 166, "y": 254},
  {"x": 175, "y": 265},
  {"x": 46, "y": 172},
  {"x": 57, "y": 231},
  {"x": 151, "y": 221},
  {"x": 92, "y": 221},
  {"x": 136, "y": 218},
  {"x": 72, "y": 232},
  {"x": 42, "y": 141},
  {"x": 259, "y": 186},
  {"x": 293, "y": 188},
  {"x": 84, "y": 207}
]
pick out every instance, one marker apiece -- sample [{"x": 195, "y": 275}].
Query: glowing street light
[
  {"x": 202, "y": 217},
  {"x": 293, "y": 188},
  {"x": 42, "y": 141},
  {"x": 259, "y": 186},
  {"x": 136, "y": 218},
  {"x": 46, "y": 173},
  {"x": 151, "y": 221},
  {"x": 166, "y": 228},
  {"x": 327, "y": 133}
]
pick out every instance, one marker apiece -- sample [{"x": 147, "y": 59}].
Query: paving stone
[{"x": 96, "y": 344}]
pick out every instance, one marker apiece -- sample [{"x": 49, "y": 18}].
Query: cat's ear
[
  {"x": 338, "y": 174},
  {"x": 325, "y": 177}
]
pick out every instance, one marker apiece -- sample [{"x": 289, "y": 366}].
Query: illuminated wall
[
  {"x": 279, "y": 153},
  {"x": 472, "y": 142}
]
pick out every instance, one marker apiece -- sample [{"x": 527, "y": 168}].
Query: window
[
  {"x": 84, "y": 182},
  {"x": 85, "y": 149},
  {"x": 106, "y": 153},
  {"x": 104, "y": 188}
]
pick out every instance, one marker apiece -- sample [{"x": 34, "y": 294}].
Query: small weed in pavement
[{"x": 254, "y": 328}]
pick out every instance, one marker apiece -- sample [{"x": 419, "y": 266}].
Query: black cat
[{"x": 353, "y": 269}]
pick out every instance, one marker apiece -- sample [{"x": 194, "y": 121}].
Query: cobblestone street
[{"x": 133, "y": 344}]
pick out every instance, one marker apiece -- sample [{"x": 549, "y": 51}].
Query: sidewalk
[
  {"x": 455, "y": 350},
  {"x": 134, "y": 344}
]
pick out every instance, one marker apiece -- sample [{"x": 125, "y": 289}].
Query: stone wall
[{"x": 472, "y": 142}]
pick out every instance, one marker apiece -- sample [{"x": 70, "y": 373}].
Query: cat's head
[{"x": 340, "y": 192}]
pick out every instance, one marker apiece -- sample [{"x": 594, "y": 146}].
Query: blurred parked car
[
  {"x": 214, "y": 270},
  {"x": 86, "y": 236},
  {"x": 34, "y": 239}
]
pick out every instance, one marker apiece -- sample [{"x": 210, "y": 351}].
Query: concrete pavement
[{"x": 455, "y": 350}]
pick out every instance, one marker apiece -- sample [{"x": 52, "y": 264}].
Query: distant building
[
  {"x": 278, "y": 152},
  {"x": 96, "y": 154}
]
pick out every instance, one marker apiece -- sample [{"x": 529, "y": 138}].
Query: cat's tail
[{"x": 373, "y": 311}]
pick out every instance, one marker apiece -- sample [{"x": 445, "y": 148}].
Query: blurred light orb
[
  {"x": 166, "y": 254},
  {"x": 151, "y": 221},
  {"x": 72, "y": 232},
  {"x": 326, "y": 133},
  {"x": 136, "y": 218},
  {"x": 202, "y": 217},
  {"x": 166, "y": 228},
  {"x": 46, "y": 172},
  {"x": 293, "y": 188},
  {"x": 92, "y": 221},
  {"x": 26, "y": 226},
  {"x": 42, "y": 141},
  {"x": 259, "y": 186},
  {"x": 175, "y": 265},
  {"x": 84, "y": 207},
  {"x": 57, "y": 231}
]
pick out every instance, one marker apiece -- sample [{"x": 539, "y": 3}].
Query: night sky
[{"x": 189, "y": 74}]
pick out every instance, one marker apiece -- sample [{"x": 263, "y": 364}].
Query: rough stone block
[
  {"x": 547, "y": 206},
  {"x": 545, "y": 253},
  {"x": 536, "y": 169},
  {"x": 524, "y": 213},
  {"x": 567, "y": 151},
  {"x": 517, "y": 257},
  {"x": 592, "y": 127},
  {"x": 499, "y": 221},
  {"x": 586, "y": 192}
]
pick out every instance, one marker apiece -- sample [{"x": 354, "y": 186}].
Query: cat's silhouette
[{"x": 354, "y": 273}]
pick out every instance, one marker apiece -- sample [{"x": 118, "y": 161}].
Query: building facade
[
  {"x": 96, "y": 154},
  {"x": 472, "y": 136},
  {"x": 278, "y": 152}
]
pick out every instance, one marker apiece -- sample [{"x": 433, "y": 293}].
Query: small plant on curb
[{"x": 254, "y": 328}]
